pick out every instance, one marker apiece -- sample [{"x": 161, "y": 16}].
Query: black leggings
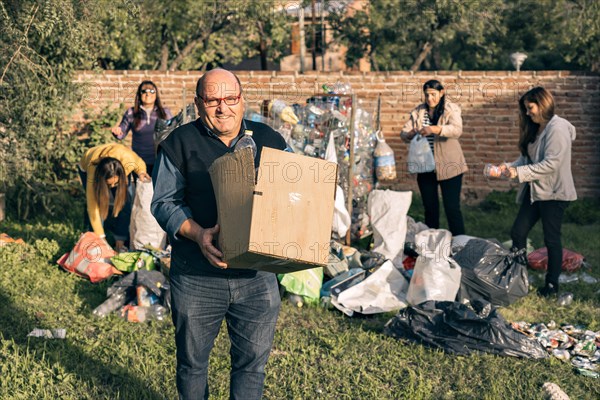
[
  {"x": 551, "y": 213},
  {"x": 428, "y": 186}
]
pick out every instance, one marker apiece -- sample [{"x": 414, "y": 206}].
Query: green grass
[{"x": 318, "y": 353}]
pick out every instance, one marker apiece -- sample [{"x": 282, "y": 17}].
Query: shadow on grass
[
  {"x": 65, "y": 235},
  {"x": 110, "y": 381}
]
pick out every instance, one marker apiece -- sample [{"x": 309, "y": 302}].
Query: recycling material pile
[
  {"x": 569, "y": 343},
  {"x": 321, "y": 128}
]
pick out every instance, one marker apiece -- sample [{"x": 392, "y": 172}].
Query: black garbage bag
[
  {"x": 164, "y": 127},
  {"x": 459, "y": 329},
  {"x": 154, "y": 281},
  {"x": 492, "y": 273},
  {"x": 371, "y": 259}
]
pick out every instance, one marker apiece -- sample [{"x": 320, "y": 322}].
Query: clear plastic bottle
[
  {"x": 385, "y": 163},
  {"x": 112, "y": 303},
  {"x": 142, "y": 314},
  {"x": 565, "y": 299},
  {"x": 145, "y": 297},
  {"x": 494, "y": 171},
  {"x": 157, "y": 312},
  {"x": 246, "y": 141},
  {"x": 295, "y": 299}
]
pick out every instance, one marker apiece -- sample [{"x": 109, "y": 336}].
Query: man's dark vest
[{"x": 192, "y": 149}]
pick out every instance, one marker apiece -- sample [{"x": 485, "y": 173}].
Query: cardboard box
[{"x": 283, "y": 223}]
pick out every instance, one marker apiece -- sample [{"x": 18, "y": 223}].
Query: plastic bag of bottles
[
  {"x": 385, "y": 163},
  {"x": 420, "y": 157}
]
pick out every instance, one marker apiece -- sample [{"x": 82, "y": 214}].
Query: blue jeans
[{"x": 249, "y": 303}]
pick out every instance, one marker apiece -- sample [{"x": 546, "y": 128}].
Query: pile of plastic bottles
[
  {"x": 321, "y": 128},
  {"x": 145, "y": 305}
]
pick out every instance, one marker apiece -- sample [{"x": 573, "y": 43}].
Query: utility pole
[
  {"x": 302, "y": 40},
  {"x": 323, "y": 37},
  {"x": 314, "y": 36}
]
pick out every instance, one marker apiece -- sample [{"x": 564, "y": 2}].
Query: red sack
[
  {"x": 90, "y": 258},
  {"x": 538, "y": 260}
]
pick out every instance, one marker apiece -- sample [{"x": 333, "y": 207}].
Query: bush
[
  {"x": 42, "y": 44},
  {"x": 583, "y": 211},
  {"x": 498, "y": 201}
]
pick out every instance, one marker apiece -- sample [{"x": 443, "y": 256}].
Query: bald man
[{"x": 204, "y": 289}]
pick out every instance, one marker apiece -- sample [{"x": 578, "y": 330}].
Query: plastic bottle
[
  {"x": 385, "y": 163},
  {"x": 145, "y": 297},
  {"x": 295, "y": 299},
  {"x": 493, "y": 171},
  {"x": 142, "y": 314},
  {"x": 325, "y": 302},
  {"x": 565, "y": 299},
  {"x": 111, "y": 304},
  {"x": 158, "y": 312},
  {"x": 246, "y": 141}
]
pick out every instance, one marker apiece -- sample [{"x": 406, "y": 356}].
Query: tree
[
  {"x": 472, "y": 35},
  {"x": 42, "y": 43},
  {"x": 398, "y": 35},
  {"x": 186, "y": 34},
  {"x": 268, "y": 30}
]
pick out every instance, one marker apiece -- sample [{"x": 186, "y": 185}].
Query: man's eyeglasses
[
  {"x": 229, "y": 100},
  {"x": 151, "y": 91}
]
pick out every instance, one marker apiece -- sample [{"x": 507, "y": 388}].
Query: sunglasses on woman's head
[{"x": 152, "y": 91}]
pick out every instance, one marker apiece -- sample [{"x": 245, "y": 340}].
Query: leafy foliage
[
  {"x": 471, "y": 35},
  {"x": 42, "y": 43},
  {"x": 187, "y": 34}
]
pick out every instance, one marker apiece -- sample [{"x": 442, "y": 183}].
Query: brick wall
[{"x": 488, "y": 100}]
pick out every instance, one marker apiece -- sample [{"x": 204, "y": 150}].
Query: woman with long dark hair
[
  {"x": 439, "y": 121},
  {"x": 544, "y": 169},
  {"x": 141, "y": 119},
  {"x": 105, "y": 172}
]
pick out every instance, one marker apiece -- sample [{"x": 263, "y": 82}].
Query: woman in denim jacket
[{"x": 141, "y": 119}]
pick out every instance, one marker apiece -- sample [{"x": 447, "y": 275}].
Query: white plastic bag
[
  {"x": 143, "y": 228},
  {"x": 341, "y": 217},
  {"x": 420, "y": 157},
  {"x": 436, "y": 276},
  {"x": 384, "y": 290},
  {"x": 387, "y": 211}
]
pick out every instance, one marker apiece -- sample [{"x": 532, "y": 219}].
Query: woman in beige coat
[{"x": 440, "y": 122}]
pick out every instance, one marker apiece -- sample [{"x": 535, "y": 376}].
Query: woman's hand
[
  {"x": 144, "y": 177},
  {"x": 508, "y": 171},
  {"x": 430, "y": 130},
  {"x": 117, "y": 132}
]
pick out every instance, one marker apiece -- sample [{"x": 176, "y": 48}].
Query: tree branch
[
  {"x": 201, "y": 37},
  {"x": 164, "y": 49},
  {"x": 19, "y": 48},
  {"x": 425, "y": 50}
]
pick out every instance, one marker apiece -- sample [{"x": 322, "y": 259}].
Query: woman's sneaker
[{"x": 549, "y": 290}]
